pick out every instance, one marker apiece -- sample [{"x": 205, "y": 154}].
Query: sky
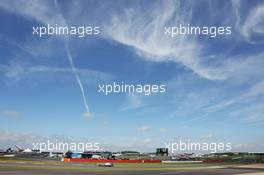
[{"x": 215, "y": 86}]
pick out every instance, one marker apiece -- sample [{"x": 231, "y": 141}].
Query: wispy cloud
[
  {"x": 47, "y": 13},
  {"x": 199, "y": 104},
  {"x": 144, "y": 31},
  {"x": 250, "y": 114},
  {"x": 255, "y": 91}
]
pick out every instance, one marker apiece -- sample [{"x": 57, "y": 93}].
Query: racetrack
[{"x": 58, "y": 168}]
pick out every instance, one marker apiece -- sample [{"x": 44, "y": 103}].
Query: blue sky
[{"x": 215, "y": 86}]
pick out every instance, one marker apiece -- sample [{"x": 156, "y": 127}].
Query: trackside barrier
[{"x": 110, "y": 161}]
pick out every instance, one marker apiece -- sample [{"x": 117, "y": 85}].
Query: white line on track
[
  {"x": 39, "y": 163},
  {"x": 78, "y": 164},
  {"x": 173, "y": 172},
  {"x": 21, "y": 162}
]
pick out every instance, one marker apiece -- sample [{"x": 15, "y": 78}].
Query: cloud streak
[{"x": 16, "y": 70}]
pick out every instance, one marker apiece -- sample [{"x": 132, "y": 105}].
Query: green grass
[{"x": 97, "y": 169}]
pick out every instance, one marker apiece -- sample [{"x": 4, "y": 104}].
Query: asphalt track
[{"x": 47, "y": 168}]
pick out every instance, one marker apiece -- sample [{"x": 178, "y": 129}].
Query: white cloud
[
  {"x": 255, "y": 90},
  {"x": 13, "y": 70},
  {"x": 132, "y": 101},
  {"x": 143, "y": 128},
  {"x": 254, "y": 23},
  {"x": 88, "y": 115},
  {"x": 147, "y": 141},
  {"x": 11, "y": 114},
  {"x": 163, "y": 130}
]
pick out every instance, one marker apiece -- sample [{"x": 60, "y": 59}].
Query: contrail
[
  {"x": 87, "y": 114},
  {"x": 74, "y": 70}
]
